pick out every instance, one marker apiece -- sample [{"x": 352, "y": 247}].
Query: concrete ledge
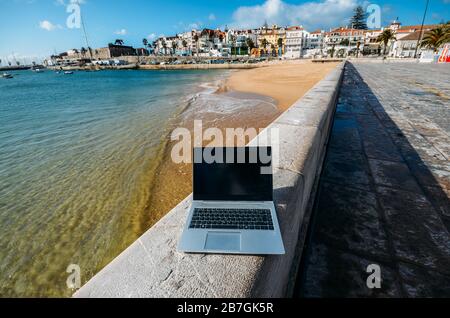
[
  {"x": 383, "y": 60},
  {"x": 151, "y": 267},
  {"x": 225, "y": 66}
]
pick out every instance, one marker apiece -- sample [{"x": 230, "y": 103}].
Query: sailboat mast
[{"x": 84, "y": 31}]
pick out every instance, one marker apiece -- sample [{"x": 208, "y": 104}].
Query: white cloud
[
  {"x": 65, "y": 3},
  {"x": 121, "y": 32},
  {"x": 194, "y": 25},
  {"x": 312, "y": 15},
  {"x": 212, "y": 17},
  {"x": 48, "y": 26},
  {"x": 188, "y": 26},
  {"x": 151, "y": 37}
]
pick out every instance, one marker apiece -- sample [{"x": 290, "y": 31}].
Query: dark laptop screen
[{"x": 233, "y": 178}]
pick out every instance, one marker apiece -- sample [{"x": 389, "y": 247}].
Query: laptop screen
[{"x": 233, "y": 174}]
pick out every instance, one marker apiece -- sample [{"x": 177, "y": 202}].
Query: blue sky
[{"x": 37, "y": 28}]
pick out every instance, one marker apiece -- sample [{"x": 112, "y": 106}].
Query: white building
[
  {"x": 344, "y": 41},
  {"x": 239, "y": 39},
  {"x": 296, "y": 41},
  {"x": 315, "y": 43},
  {"x": 187, "y": 38},
  {"x": 406, "y": 46}
]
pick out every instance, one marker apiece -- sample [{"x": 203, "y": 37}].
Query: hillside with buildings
[{"x": 291, "y": 42}]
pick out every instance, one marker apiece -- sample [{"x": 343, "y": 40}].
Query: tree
[
  {"x": 345, "y": 42},
  {"x": 83, "y": 51},
  {"x": 385, "y": 38},
  {"x": 164, "y": 45},
  {"x": 145, "y": 42},
  {"x": 196, "y": 38},
  {"x": 174, "y": 46},
  {"x": 184, "y": 44},
  {"x": 332, "y": 50},
  {"x": 264, "y": 43},
  {"x": 280, "y": 46},
  {"x": 118, "y": 42},
  {"x": 155, "y": 45},
  {"x": 436, "y": 37},
  {"x": 233, "y": 44},
  {"x": 250, "y": 45},
  {"x": 359, "y": 19}
]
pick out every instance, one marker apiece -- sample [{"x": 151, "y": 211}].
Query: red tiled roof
[
  {"x": 293, "y": 28},
  {"x": 413, "y": 28},
  {"x": 412, "y": 37},
  {"x": 345, "y": 30}
]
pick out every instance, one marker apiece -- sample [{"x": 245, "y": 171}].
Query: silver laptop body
[{"x": 233, "y": 210}]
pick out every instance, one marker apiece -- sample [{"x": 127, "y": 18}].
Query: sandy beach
[
  {"x": 284, "y": 81},
  {"x": 281, "y": 83}
]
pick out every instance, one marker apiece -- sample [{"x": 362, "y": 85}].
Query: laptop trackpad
[{"x": 217, "y": 241}]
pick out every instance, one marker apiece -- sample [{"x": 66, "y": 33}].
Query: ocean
[{"x": 78, "y": 156}]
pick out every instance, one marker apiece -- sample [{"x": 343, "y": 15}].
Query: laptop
[{"x": 232, "y": 210}]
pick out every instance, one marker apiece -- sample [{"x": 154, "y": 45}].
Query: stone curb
[{"x": 152, "y": 267}]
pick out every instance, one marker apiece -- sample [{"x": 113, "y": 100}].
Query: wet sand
[{"x": 272, "y": 90}]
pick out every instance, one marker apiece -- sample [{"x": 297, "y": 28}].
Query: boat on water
[
  {"x": 68, "y": 72},
  {"x": 7, "y": 75},
  {"x": 38, "y": 68}
]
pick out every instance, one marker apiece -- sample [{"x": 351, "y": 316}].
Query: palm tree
[
  {"x": 164, "y": 45},
  {"x": 250, "y": 45},
  {"x": 437, "y": 37},
  {"x": 332, "y": 50},
  {"x": 184, "y": 44},
  {"x": 145, "y": 42},
  {"x": 386, "y": 36},
  {"x": 174, "y": 46},
  {"x": 196, "y": 38},
  {"x": 280, "y": 46},
  {"x": 83, "y": 51},
  {"x": 90, "y": 52},
  {"x": 233, "y": 45},
  {"x": 264, "y": 44},
  {"x": 272, "y": 49}
]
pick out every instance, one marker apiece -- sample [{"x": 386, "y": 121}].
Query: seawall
[{"x": 152, "y": 267}]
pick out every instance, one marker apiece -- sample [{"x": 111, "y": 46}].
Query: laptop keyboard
[{"x": 235, "y": 219}]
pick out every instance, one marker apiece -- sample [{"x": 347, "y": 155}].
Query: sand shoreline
[
  {"x": 285, "y": 81},
  {"x": 277, "y": 86}
]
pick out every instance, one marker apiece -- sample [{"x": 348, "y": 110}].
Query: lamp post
[{"x": 421, "y": 29}]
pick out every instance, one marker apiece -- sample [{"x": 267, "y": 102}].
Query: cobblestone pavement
[{"x": 384, "y": 196}]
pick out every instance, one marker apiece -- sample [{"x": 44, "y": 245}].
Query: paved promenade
[{"x": 384, "y": 196}]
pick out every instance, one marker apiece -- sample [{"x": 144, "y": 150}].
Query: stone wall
[{"x": 152, "y": 267}]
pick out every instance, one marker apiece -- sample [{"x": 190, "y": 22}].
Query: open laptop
[{"x": 232, "y": 210}]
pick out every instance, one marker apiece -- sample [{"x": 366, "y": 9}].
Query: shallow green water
[{"x": 77, "y": 153}]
